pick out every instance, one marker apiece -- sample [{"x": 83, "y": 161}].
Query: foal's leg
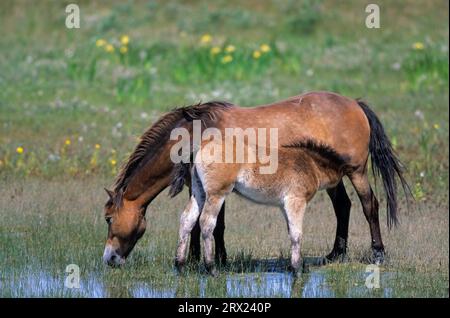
[
  {"x": 187, "y": 221},
  {"x": 194, "y": 243},
  {"x": 219, "y": 232},
  {"x": 370, "y": 207},
  {"x": 208, "y": 220},
  {"x": 341, "y": 205},
  {"x": 294, "y": 210}
]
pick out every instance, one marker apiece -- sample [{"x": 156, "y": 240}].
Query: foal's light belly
[
  {"x": 256, "y": 195},
  {"x": 246, "y": 186}
]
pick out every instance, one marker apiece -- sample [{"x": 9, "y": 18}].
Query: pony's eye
[{"x": 108, "y": 220}]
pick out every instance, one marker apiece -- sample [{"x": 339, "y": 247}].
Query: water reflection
[
  {"x": 274, "y": 281},
  {"x": 260, "y": 285}
]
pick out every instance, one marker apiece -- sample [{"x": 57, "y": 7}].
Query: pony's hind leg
[
  {"x": 219, "y": 239},
  {"x": 370, "y": 207},
  {"x": 208, "y": 220},
  {"x": 194, "y": 243},
  {"x": 294, "y": 211},
  {"x": 187, "y": 221},
  {"x": 342, "y": 205}
]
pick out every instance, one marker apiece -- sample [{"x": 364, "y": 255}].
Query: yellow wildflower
[
  {"x": 123, "y": 49},
  {"x": 109, "y": 48},
  {"x": 256, "y": 54},
  {"x": 215, "y": 50},
  {"x": 206, "y": 38},
  {"x": 19, "y": 150},
  {"x": 227, "y": 59},
  {"x": 418, "y": 46},
  {"x": 67, "y": 142},
  {"x": 436, "y": 126},
  {"x": 97, "y": 146},
  {"x": 100, "y": 42},
  {"x": 113, "y": 162},
  {"x": 264, "y": 48},
  {"x": 124, "y": 39},
  {"x": 230, "y": 48}
]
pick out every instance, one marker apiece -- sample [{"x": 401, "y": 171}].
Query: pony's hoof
[
  {"x": 378, "y": 257},
  {"x": 336, "y": 256}
]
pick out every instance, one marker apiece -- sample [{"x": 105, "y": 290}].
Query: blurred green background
[{"x": 64, "y": 91}]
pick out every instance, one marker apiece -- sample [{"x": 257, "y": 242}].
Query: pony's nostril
[{"x": 113, "y": 258}]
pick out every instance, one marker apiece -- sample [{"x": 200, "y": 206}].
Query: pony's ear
[
  {"x": 110, "y": 193},
  {"x": 118, "y": 197}
]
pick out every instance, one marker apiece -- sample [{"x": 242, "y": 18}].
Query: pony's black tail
[{"x": 385, "y": 163}]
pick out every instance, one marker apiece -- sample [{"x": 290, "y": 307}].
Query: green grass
[
  {"x": 47, "y": 225},
  {"x": 57, "y": 85}
]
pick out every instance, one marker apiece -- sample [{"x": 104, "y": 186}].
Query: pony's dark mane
[
  {"x": 159, "y": 132},
  {"x": 321, "y": 149}
]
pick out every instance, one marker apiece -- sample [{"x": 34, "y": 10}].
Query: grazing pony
[{"x": 147, "y": 172}]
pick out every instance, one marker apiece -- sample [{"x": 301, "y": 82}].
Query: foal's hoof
[
  {"x": 214, "y": 273},
  {"x": 179, "y": 266},
  {"x": 297, "y": 271},
  {"x": 211, "y": 270},
  {"x": 378, "y": 257}
]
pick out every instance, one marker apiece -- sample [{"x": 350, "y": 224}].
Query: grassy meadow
[{"x": 73, "y": 103}]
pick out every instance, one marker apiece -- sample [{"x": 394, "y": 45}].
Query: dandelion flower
[
  {"x": 124, "y": 39},
  {"x": 230, "y": 48},
  {"x": 418, "y": 46},
  {"x": 227, "y": 59},
  {"x": 113, "y": 162},
  {"x": 97, "y": 146},
  {"x": 109, "y": 48},
  {"x": 19, "y": 150},
  {"x": 205, "y": 38},
  {"x": 67, "y": 142},
  {"x": 265, "y": 48},
  {"x": 100, "y": 42},
  {"x": 436, "y": 126},
  {"x": 256, "y": 54},
  {"x": 123, "y": 49},
  {"x": 215, "y": 50}
]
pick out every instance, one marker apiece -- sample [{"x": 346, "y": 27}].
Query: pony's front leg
[
  {"x": 208, "y": 220},
  {"x": 187, "y": 221},
  {"x": 294, "y": 210}
]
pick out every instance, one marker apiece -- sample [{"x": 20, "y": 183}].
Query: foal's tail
[{"x": 385, "y": 163}]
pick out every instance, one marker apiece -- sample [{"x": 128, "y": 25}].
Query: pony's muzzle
[{"x": 111, "y": 258}]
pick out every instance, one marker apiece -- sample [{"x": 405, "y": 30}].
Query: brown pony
[{"x": 323, "y": 136}]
